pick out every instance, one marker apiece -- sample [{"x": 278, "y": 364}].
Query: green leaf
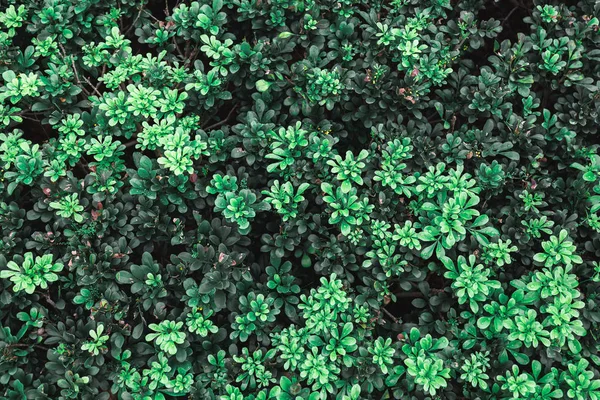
[
  {"x": 521, "y": 358},
  {"x": 137, "y": 331},
  {"x": 427, "y": 252},
  {"x": 262, "y": 85},
  {"x": 414, "y": 335}
]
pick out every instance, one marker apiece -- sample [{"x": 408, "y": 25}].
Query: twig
[
  {"x": 217, "y": 124},
  {"x": 192, "y": 55},
  {"x": 153, "y": 17},
  {"x": 518, "y": 4},
  {"x": 389, "y": 314},
  {"x": 409, "y": 295},
  {"x": 101, "y": 74},
  {"x": 135, "y": 20},
  {"x": 93, "y": 87},
  {"x": 27, "y": 345},
  {"x": 187, "y": 47},
  {"x": 22, "y": 115},
  {"x": 130, "y": 143},
  {"x": 84, "y": 165},
  {"x": 508, "y": 15},
  {"x": 49, "y": 300},
  {"x": 77, "y": 77},
  {"x": 62, "y": 48},
  {"x": 289, "y": 80},
  {"x": 64, "y": 53},
  {"x": 459, "y": 44},
  {"x": 29, "y": 118},
  {"x": 174, "y": 41}
]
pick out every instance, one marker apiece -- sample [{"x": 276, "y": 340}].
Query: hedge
[{"x": 308, "y": 199}]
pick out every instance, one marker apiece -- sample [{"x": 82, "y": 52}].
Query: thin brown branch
[
  {"x": 135, "y": 20},
  {"x": 49, "y": 300},
  {"x": 77, "y": 77},
  {"x": 192, "y": 56},
  {"x": 389, "y": 314},
  {"x": 92, "y": 86},
  {"x": 21, "y": 345},
  {"x": 29, "y": 118},
  {"x": 409, "y": 295},
  {"x": 131, "y": 143},
  {"x": 509, "y": 15},
  {"x": 174, "y": 41},
  {"x": 217, "y": 124},
  {"x": 64, "y": 52}
]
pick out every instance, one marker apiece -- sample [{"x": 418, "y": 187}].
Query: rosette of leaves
[
  {"x": 427, "y": 370},
  {"x": 348, "y": 170},
  {"x": 69, "y": 207},
  {"x": 167, "y": 336},
  {"x": 285, "y": 199},
  {"x": 345, "y": 206},
  {"x": 240, "y": 208},
  {"x": 471, "y": 281},
  {"x": 146, "y": 281},
  {"x": 28, "y": 273},
  {"x": 96, "y": 345}
]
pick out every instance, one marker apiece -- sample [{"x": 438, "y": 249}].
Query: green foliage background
[{"x": 313, "y": 199}]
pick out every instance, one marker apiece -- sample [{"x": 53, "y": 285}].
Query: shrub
[{"x": 246, "y": 199}]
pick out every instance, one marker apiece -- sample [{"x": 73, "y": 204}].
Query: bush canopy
[{"x": 299, "y": 199}]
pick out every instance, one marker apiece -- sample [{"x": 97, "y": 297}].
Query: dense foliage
[{"x": 311, "y": 199}]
